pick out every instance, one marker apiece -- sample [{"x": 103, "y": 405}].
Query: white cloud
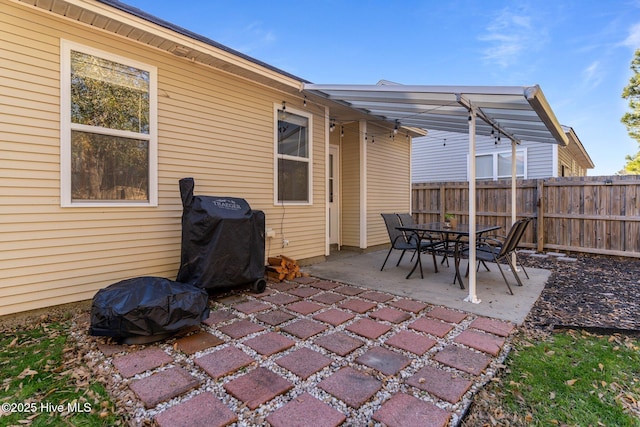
[
  {"x": 633, "y": 39},
  {"x": 509, "y": 36},
  {"x": 253, "y": 38},
  {"x": 592, "y": 75}
]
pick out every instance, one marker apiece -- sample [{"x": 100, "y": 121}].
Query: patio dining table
[{"x": 450, "y": 235}]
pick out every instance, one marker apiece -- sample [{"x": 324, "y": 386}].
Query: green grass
[
  {"x": 574, "y": 378},
  {"x": 39, "y": 389}
]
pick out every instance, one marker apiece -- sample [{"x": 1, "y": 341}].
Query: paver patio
[{"x": 314, "y": 349}]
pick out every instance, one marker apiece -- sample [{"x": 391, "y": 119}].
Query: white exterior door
[{"x": 333, "y": 187}]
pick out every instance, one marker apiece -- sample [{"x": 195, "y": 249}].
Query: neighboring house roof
[{"x": 577, "y": 149}]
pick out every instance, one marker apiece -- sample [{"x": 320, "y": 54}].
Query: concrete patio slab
[{"x": 436, "y": 288}]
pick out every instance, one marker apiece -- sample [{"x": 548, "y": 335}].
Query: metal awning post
[
  {"x": 472, "y": 297},
  {"x": 514, "y": 199}
]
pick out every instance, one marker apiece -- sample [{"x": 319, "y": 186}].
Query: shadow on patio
[{"x": 436, "y": 288}]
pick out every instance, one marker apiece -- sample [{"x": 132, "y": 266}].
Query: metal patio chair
[
  {"x": 438, "y": 245},
  {"x": 490, "y": 249},
  {"x": 406, "y": 241}
]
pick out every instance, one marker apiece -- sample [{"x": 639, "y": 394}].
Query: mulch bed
[{"x": 596, "y": 293}]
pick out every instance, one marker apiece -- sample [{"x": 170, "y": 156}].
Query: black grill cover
[
  {"x": 222, "y": 240},
  {"x": 146, "y": 306}
]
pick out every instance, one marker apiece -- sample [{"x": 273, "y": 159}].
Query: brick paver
[
  {"x": 432, "y": 326},
  {"x": 390, "y": 315},
  {"x": 304, "y": 307},
  {"x": 240, "y": 328},
  {"x": 403, "y": 410},
  {"x": 443, "y": 384},
  {"x": 281, "y": 298},
  {"x": 328, "y": 298},
  {"x": 409, "y": 305},
  {"x": 283, "y": 286},
  {"x": 111, "y": 349},
  {"x": 351, "y": 386},
  {"x": 304, "y": 362},
  {"x": 368, "y": 328},
  {"x": 481, "y": 341},
  {"x": 197, "y": 342},
  {"x": 358, "y": 305},
  {"x": 139, "y": 361},
  {"x": 493, "y": 326},
  {"x": 463, "y": 359},
  {"x": 334, "y": 316},
  {"x": 376, "y": 296},
  {"x": 304, "y": 291},
  {"x": 249, "y": 307},
  {"x": 306, "y": 410},
  {"x": 304, "y": 328},
  {"x": 325, "y": 285},
  {"x": 339, "y": 343},
  {"x": 348, "y": 290},
  {"x": 223, "y": 362},
  {"x": 219, "y": 316},
  {"x": 305, "y": 280},
  {"x": 448, "y": 315},
  {"x": 257, "y": 387},
  {"x": 203, "y": 409},
  {"x": 412, "y": 342},
  {"x": 274, "y": 317},
  {"x": 270, "y": 343},
  {"x": 386, "y": 361},
  {"x": 163, "y": 385}
]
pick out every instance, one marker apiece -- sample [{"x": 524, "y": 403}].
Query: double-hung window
[
  {"x": 498, "y": 165},
  {"x": 108, "y": 129},
  {"x": 293, "y": 177}
]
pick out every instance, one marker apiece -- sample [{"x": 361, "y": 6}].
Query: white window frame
[
  {"x": 494, "y": 160},
  {"x": 277, "y": 156},
  {"x": 66, "y": 127}
]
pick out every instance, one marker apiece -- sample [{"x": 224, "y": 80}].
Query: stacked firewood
[{"x": 283, "y": 268}]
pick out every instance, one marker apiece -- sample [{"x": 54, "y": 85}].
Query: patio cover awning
[{"x": 516, "y": 112}]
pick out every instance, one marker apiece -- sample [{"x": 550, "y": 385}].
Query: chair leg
[
  {"x": 513, "y": 269},
  {"x": 385, "y": 260},
  {"x": 504, "y": 277},
  {"x": 521, "y": 266},
  {"x": 400, "y": 259}
]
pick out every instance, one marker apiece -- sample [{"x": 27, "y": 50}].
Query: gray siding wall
[{"x": 442, "y": 156}]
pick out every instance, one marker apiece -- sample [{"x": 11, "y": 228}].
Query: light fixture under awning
[{"x": 518, "y": 112}]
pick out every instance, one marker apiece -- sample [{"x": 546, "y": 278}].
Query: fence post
[
  {"x": 540, "y": 221},
  {"x": 442, "y": 202}
]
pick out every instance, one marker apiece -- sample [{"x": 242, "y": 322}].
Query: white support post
[
  {"x": 472, "y": 297},
  {"x": 514, "y": 196}
]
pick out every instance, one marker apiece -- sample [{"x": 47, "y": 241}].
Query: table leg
[
  {"x": 457, "y": 257},
  {"x": 418, "y": 262}
]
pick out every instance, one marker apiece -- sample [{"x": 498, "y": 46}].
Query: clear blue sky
[{"x": 579, "y": 52}]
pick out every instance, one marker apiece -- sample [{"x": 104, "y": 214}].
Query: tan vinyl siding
[
  {"x": 388, "y": 180},
  {"x": 212, "y": 126}
]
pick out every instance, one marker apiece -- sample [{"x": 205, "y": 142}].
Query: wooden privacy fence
[{"x": 599, "y": 214}]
